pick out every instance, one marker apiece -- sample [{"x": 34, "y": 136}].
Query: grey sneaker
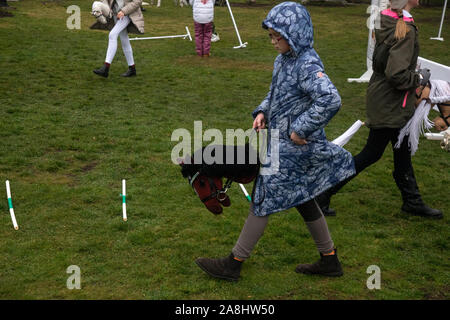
[{"x": 215, "y": 37}]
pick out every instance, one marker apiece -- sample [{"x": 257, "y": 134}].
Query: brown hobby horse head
[{"x": 236, "y": 163}]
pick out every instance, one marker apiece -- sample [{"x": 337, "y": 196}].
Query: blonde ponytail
[{"x": 401, "y": 29}]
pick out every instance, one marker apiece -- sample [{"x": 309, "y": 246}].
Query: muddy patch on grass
[
  {"x": 49, "y": 178},
  {"x": 89, "y": 167}
]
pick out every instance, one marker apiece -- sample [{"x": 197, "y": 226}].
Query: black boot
[
  {"x": 103, "y": 71},
  {"x": 224, "y": 268},
  {"x": 131, "y": 72},
  {"x": 412, "y": 201},
  {"x": 327, "y": 266},
  {"x": 323, "y": 200}
]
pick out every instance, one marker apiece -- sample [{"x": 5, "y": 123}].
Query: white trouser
[{"x": 120, "y": 29}]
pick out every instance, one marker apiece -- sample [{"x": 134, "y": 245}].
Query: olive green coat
[
  {"x": 390, "y": 97},
  {"x": 132, "y": 9}
]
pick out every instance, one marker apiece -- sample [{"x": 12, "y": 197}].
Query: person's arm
[
  {"x": 397, "y": 68},
  {"x": 131, "y": 7},
  {"x": 325, "y": 103},
  {"x": 264, "y": 106}
]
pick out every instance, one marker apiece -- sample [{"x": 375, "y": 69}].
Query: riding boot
[
  {"x": 328, "y": 265},
  {"x": 130, "y": 72},
  {"x": 226, "y": 268},
  {"x": 102, "y": 71},
  {"x": 324, "y": 199},
  {"x": 412, "y": 201}
]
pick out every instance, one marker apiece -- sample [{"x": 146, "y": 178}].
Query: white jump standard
[
  {"x": 241, "y": 45},
  {"x": 442, "y": 22},
  {"x": 11, "y": 209},
  {"x": 184, "y": 36},
  {"x": 124, "y": 202}
]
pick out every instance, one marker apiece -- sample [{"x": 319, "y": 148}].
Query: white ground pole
[
  {"x": 444, "y": 137},
  {"x": 442, "y": 22},
  {"x": 241, "y": 45},
  {"x": 124, "y": 202},
  {"x": 348, "y": 134},
  {"x": 434, "y": 136},
  {"x": 11, "y": 209},
  {"x": 438, "y": 71},
  {"x": 184, "y": 36}
]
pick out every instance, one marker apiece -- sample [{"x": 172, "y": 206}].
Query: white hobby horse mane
[
  {"x": 416, "y": 126},
  {"x": 101, "y": 11}
]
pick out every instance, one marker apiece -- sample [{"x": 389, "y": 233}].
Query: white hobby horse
[{"x": 101, "y": 12}]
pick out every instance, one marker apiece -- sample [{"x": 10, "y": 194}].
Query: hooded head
[{"x": 293, "y": 22}]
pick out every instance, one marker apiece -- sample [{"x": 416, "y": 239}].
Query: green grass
[{"x": 69, "y": 137}]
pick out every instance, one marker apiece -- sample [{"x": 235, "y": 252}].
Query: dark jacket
[{"x": 390, "y": 97}]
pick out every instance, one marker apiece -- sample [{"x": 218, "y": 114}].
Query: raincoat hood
[
  {"x": 388, "y": 20},
  {"x": 293, "y": 22}
]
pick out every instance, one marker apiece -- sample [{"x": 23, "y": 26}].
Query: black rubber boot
[
  {"x": 323, "y": 200},
  {"x": 327, "y": 266},
  {"x": 412, "y": 201},
  {"x": 131, "y": 72},
  {"x": 102, "y": 71},
  {"x": 224, "y": 268}
]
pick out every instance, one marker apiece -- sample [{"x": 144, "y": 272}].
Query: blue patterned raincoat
[{"x": 302, "y": 99}]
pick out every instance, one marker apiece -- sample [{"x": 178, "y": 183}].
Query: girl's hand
[
  {"x": 120, "y": 15},
  {"x": 297, "y": 140},
  {"x": 259, "y": 122}
]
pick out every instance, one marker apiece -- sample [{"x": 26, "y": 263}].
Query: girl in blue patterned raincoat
[{"x": 301, "y": 101}]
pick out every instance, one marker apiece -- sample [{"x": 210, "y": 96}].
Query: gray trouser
[{"x": 254, "y": 228}]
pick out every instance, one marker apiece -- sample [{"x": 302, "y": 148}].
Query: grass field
[{"x": 69, "y": 137}]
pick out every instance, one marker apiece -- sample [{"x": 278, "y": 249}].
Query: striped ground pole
[
  {"x": 124, "y": 201},
  {"x": 11, "y": 209},
  {"x": 245, "y": 192}
]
